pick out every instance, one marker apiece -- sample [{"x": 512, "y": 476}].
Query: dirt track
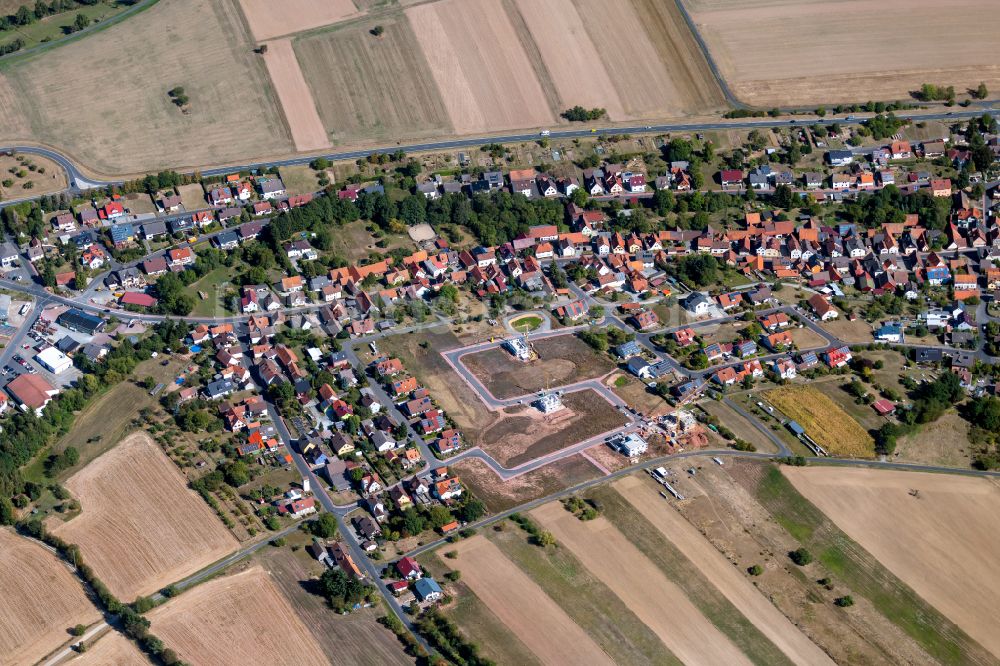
[
  {"x": 940, "y": 541},
  {"x": 239, "y": 619},
  {"x": 733, "y": 585},
  {"x": 141, "y": 528},
  {"x": 520, "y": 603},
  {"x": 657, "y": 601},
  {"x": 39, "y": 600}
]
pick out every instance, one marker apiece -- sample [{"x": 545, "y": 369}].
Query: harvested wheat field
[
  {"x": 39, "y": 600},
  {"x": 522, "y": 606},
  {"x": 481, "y": 68},
  {"x": 823, "y": 420},
  {"x": 104, "y": 99},
  {"x": 778, "y": 52},
  {"x": 296, "y": 99},
  {"x": 655, "y": 600},
  {"x": 238, "y": 619},
  {"x": 391, "y": 91},
  {"x": 934, "y": 531},
  {"x": 111, "y": 648},
  {"x": 269, "y": 19},
  {"x": 716, "y": 568},
  {"x": 141, "y": 528}
]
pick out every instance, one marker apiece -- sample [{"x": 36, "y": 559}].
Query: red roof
[
  {"x": 136, "y": 298},
  {"x": 883, "y": 406}
]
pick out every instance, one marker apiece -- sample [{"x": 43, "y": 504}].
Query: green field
[
  {"x": 215, "y": 284},
  {"x": 52, "y": 28},
  {"x": 864, "y": 575},
  {"x": 526, "y": 323}
]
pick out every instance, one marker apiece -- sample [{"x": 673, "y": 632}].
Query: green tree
[
  {"x": 981, "y": 91},
  {"x": 801, "y": 556},
  {"x": 755, "y": 570},
  {"x": 325, "y": 526},
  {"x": 545, "y": 539}
]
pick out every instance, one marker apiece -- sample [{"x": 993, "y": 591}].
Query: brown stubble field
[
  {"x": 103, "y": 100},
  {"x": 367, "y": 87},
  {"x": 140, "y": 527},
  {"x": 296, "y": 100},
  {"x": 780, "y": 52},
  {"x": 40, "y": 599},
  {"x": 481, "y": 69},
  {"x": 934, "y": 531},
  {"x": 356, "y": 638},
  {"x": 238, "y": 619},
  {"x": 643, "y": 495},
  {"x": 521, "y": 605},
  {"x": 269, "y": 19},
  {"x": 657, "y": 601},
  {"x": 111, "y": 648}
]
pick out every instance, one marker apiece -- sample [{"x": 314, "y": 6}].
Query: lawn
[
  {"x": 526, "y": 323},
  {"x": 214, "y": 284},
  {"x": 823, "y": 420},
  {"x": 57, "y": 26},
  {"x": 862, "y": 573},
  {"x": 299, "y": 179}
]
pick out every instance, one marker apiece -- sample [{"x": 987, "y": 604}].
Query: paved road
[{"x": 81, "y": 182}]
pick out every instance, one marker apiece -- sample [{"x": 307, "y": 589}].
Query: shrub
[
  {"x": 755, "y": 570},
  {"x": 801, "y": 556},
  {"x": 844, "y": 602}
]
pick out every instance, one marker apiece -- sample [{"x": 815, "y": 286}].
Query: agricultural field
[
  {"x": 392, "y": 93},
  {"x": 237, "y": 619},
  {"x": 110, "y": 648},
  {"x": 29, "y": 176},
  {"x": 462, "y": 39},
  {"x": 562, "y": 360},
  {"x": 103, "y": 99},
  {"x": 269, "y": 19},
  {"x": 356, "y": 638},
  {"x": 776, "y": 52},
  {"x": 141, "y": 528},
  {"x": 753, "y": 515},
  {"x": 293, "y": 93},
  {"x": 41, "y": 599},
  {"x": 823, "y": 420},
  {"x": 930, "y": 530}
]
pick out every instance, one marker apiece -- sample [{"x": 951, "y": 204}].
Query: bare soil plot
[
  {"x": 103, "y": 99},
  {"x": 823, "y": 420},
  {"x": 562, "y": 360},
  {"x": 637, "y": 395},
  {"x": 806, "y": 338},
  {"x": 111, "y": 648},
  {"x": 775, "y": 53},
  {"x": 269, "y": 19},
  {"x": 931, "y": 530},
  {"x": 368, "y": 87},
  {"x": 482, "y": 72},
  {"x": 658, "y": 602},
  {"x": 501, "y": 495},
  {"x": 141, "y": 528},
  {"x": 525, "y": 433},
  {"x": 238, "y": 619},
  {"x": 40, "y": 599},
  {"x": 45, "y": 177},
  {"x": 192, "y": 196},
  {"x": 296, "y": 99},
  {"x": 356, "y": 638},
  {"x": 849, "y": 331},
  {"x": 522, "y": 605},
  {"x": 299, "y": 179},
  {"x": 734, "y": 585}
]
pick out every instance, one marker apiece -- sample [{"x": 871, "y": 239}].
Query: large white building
[
  {"x": 54, "y": 360},
  {"x": 520, "y": 348},
  {"x": 629, "y": 444},
  {"x": 548, "y": 402}
]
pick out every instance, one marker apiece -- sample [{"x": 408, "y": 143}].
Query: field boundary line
[{"x": 707, "y": 53}]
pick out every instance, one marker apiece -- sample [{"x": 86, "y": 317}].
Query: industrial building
[
  {"x": 81, "y": 322},
  {"x": 53, "y": 360}
]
